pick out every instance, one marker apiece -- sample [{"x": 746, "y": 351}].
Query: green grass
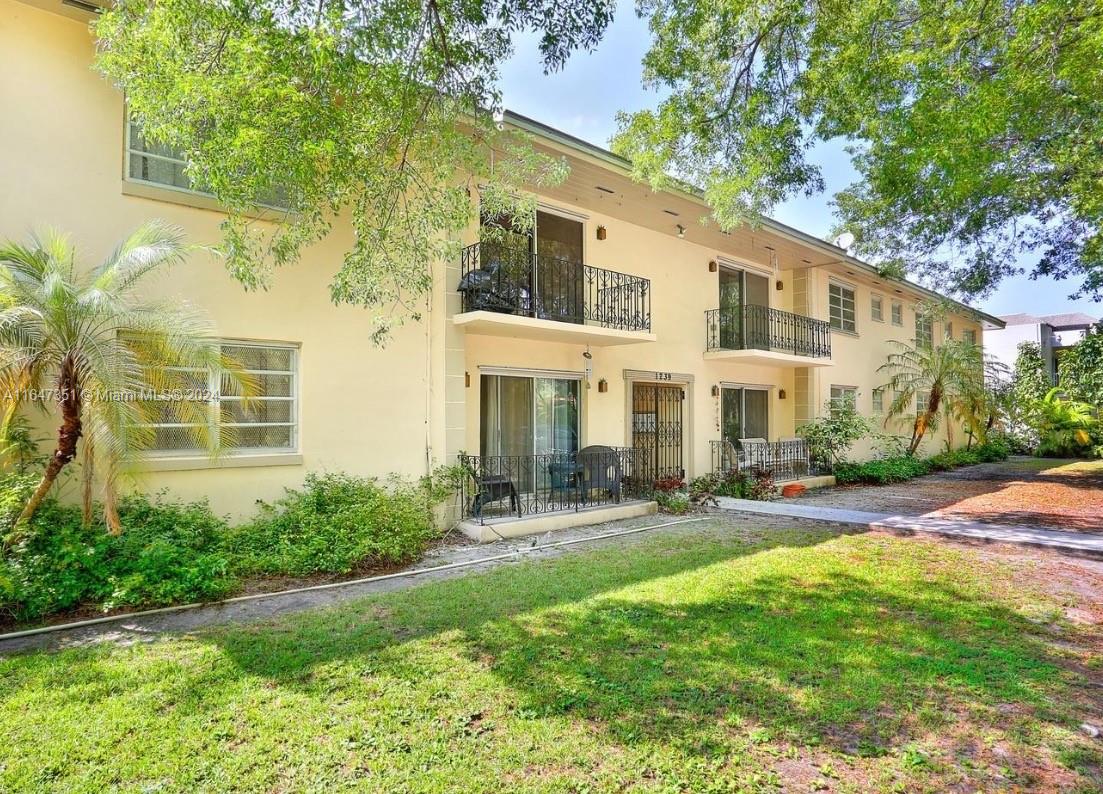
[{"x": 706, "y": 660}]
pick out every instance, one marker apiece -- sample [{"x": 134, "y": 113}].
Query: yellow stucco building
[{"x": 620, "y": 322}]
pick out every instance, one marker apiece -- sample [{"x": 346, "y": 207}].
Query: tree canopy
[
  {"x": 974, "y": 126},
  {"x": 381, "y": 112}
]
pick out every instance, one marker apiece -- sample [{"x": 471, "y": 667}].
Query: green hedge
[
  {"x": 175, "y": 552},
  {"x": 900, "y": 468}
]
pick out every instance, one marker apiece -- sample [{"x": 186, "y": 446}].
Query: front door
[{"x": 657, "y": 430}]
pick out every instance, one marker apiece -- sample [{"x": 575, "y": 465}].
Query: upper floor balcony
[
  {"x": 762, "y": 335},
  {"x": 509, "y": 290}
]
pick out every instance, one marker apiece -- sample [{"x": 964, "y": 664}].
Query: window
[
  {"x": 921, "y": 400},
  {"x": 877, "y": 308},
  {"x": 164, "y": 166},
  {"x": 841, "y": 303},
  {"x": 924, "y": 330},
  {"x": 948, "y": 330},
  {"x": 268, "y": 421},
  {"x": 897, "y": 313},
  {"x": 878, "y": 401},
  {"x": 969, "y": 335},
  {"x": 841, "y": 395}
]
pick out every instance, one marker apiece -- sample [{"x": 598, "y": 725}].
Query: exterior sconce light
[
  {"x": 467, "y": 380},
  {"x": 603, "y": 386},
  {"x": 781, "y": 394},
  {"x": 713, "y": 267},
  {"x": 681, "y": 231},
  {"x": 715, "y": 390},
  {"x": 601, "y": 232},
  {"x": 780, "y": 285}
]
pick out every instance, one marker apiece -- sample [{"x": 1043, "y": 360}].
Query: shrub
[
  {"x": 880, "y": 472},
  {"x": 168, "y": 553},
  {"x": 833, "y": 434},
  {"x": 730, "y": 483},
  {"x": 338, "y": 523},
  {"x": 668, "y": 484},
  {"x": 676, "y": 502}
]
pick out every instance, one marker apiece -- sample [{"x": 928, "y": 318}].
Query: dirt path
[{"x": 1056, "y": 494}]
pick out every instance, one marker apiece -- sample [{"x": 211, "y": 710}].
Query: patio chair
[
  {"x": 495, "y": 488},
  {"x": 754, "y": 453},
  {"x": 490, "y": 289},
  {"x": 601, "y": 471}
]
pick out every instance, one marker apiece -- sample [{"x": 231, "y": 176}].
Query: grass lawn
[{"x": 708, "y": 660}]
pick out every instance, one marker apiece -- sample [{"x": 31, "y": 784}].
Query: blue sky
[{"x": 584, "y": 98}]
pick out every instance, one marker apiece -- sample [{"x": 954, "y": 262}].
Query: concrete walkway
[{"x": 1072, "y": 542}]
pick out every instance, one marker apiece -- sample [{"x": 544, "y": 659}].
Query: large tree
[
  {"x": 974, "y": 126},
  {"x": 379, "y": 111},
  {"x": 1081, "y": 369}
]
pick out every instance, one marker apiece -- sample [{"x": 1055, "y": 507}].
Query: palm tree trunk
[
  {"x": 88, "y": 473},
  {"x": 67, "y": 436},
  {"x": 110, "y": 501}
]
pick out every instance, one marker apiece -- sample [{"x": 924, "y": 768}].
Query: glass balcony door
[
  {"x": 744, "y": 413},
  {"x": 532, "y": 419},
  {"x": 739, "y": 328}
]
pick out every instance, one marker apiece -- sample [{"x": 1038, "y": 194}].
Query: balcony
[
  {"x": 761, "y": 335},
  {"x": 508, "y": 291}
]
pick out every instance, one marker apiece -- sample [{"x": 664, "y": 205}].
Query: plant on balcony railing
[
  {"x": 787, "y": 460},
  {"x": 763, "y": 328},
  {"x": 523, "y": 485},
  {"x": 511, "y": 280}
]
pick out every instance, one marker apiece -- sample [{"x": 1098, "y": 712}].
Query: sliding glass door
[
  {"x": 745, "y": 413},
  {"x": 529, "y": 417},
  {"x": 739, "y": 329}
]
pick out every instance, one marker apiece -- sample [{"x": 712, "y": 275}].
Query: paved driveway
[{"x": 1066, "y": 495}]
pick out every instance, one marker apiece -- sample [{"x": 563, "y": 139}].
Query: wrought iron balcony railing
[
  {"x": 510, "y": 280},
  {"x": 786, "y": 460},
  {"x": 762, "y": 328},
  {"x": 523, "y": 485}
]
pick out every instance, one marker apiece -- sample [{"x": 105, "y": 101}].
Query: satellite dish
[{"x": 845, "y": 240}]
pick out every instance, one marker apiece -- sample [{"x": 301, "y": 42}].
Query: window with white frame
[
  {"x": 841, "y": 306},
  {"x": 897, "y": 313},
  {"x": 842, "y": 395},
  {"x": 878, "y": 400},
  {"x": 921, "y": 400},
  {"x": 264, "y": 421},
  {"x": 164, "y": 166},
  {"x": 948, "y": 330},
  {"x": 969, "y": 335},
  {"x": 877, "y": 308},
  {"x": 924, "y": 330}
]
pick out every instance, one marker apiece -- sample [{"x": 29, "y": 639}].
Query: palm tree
[
  {"x": 937, "y": 377},
  {"x": 80, "y": 340},
  {"x": 1064, "y": 426}
]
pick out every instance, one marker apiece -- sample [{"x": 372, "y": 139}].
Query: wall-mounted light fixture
[
  {"x": 715, "y": 390},
  {"x": 780, "y": 285},
  {"x": 781, "y": 394},
  {"x": 467, "y": 380},
  {"x": 603, "y": 386},
  {"x": 601, "y": 232},
  {"x": 681, "y": 231},
  {"x": 713, "y": 267}
]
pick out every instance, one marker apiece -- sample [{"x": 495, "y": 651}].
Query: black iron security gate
[{"x": 657, "y": 430}]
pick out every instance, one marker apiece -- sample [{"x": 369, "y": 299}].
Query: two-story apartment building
[
  {"x": 1052, "y": 333},
  {"x": 619, "y": 322}
]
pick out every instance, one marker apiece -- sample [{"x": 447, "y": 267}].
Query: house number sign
[{"x": 664, "y": 376}]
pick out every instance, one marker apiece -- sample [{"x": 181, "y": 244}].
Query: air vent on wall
[
  {"x": 672, "y": 212},
  {"x": 605, "y": 189}
]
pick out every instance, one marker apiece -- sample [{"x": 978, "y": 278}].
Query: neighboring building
[
  {"x": 620, "y": 321},
  {"x": 1053, "y": 333}
]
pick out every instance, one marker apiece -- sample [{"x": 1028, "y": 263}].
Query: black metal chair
[
  {"x": 495, "y": 488},
  {"x": 601, "y": 470}
]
